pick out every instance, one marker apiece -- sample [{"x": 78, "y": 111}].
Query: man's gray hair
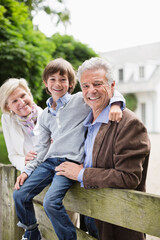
[{"x": 96, "y": 63}]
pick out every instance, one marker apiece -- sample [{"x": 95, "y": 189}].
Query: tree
[
  {"x": 131, "y": 101},
  {"x": 23, "y": 51},
  {"x": 73, "y": 51},
  {"x": 58, "y": 10}
]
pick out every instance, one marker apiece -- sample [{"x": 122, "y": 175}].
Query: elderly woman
[{"x": 19, "y": 121}]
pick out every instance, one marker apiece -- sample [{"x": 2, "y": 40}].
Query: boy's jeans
[{"x": 43, "y": 175}]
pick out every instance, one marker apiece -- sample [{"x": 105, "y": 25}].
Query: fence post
[
  {"x": 9, "y": 219},
  {"x": 0, "y": 202}
]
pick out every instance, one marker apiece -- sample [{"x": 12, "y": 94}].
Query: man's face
[{"x": 96, "y": 90}]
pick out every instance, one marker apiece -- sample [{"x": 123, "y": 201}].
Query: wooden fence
[{"x": 127, "y": 208}]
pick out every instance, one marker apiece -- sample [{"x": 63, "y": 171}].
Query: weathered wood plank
[
  {"x": 7, "y": 180},
  {"x": 127, "y": 208},
  {"x": 0, "y": 202},
  {"x": 47, "y": 229},
  {"x": 132, "y": 209},
  {"x": 9, "y": 220}
]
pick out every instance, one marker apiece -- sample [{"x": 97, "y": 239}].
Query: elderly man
[{"x": 116, "y": 154}]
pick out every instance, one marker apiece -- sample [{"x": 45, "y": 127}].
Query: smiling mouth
[
  {"x": 22, "y": 108},
  {"x": 93, "y": 98},
  {"x": 57, "y": 90}
]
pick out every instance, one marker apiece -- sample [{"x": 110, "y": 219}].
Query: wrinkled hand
[
  {"x": 115, "y": 113},
  {"x": 20, "y": 180},
  {"x": 30, "y": 156},
  {"x": 69, "y": 170}
]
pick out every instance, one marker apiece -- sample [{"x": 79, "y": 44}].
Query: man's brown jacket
[{"x": 120, "y": 160}]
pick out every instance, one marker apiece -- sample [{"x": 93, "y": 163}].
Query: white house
[{"x": 137, "y": 71}]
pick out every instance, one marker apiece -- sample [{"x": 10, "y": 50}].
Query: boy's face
[{"x": 57, "y": 85}]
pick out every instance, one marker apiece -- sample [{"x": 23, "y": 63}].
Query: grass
[
  {"x": 0, "y": 118},
  {"x": 3, "y": 151}
]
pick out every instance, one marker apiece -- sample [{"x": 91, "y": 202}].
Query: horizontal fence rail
[{"x": 127, "y": 208}]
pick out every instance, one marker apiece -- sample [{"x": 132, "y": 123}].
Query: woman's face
[{"x": 20, "y": 102}]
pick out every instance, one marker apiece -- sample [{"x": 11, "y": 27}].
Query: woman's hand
[
  {"x": 115, "y": 113},
  {"x": 30, "y": 156}
]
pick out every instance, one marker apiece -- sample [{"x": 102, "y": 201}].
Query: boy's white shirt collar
[{"x": 64, "y": 99}]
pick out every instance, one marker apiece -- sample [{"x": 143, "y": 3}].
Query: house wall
[
  {"x": 152, "y": 104},
  {"x": 149, "y": 100},
  {"x": 147, "y": 89},
  {"x": 149, "y": 69},
  {"x": 156, "y": 106},
  {"x": 131, "y": 71},
  {"x": 128, "y": 69}
]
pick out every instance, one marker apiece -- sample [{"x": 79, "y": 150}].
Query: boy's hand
[
  {"x": 20, "y": 180},
  {"x": 115, "y": 113},
  {"x": 69, "y": 170},
  {"x": 30, "y": 156}
]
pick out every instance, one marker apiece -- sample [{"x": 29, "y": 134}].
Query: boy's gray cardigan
[{"x": 66, "y": 131}]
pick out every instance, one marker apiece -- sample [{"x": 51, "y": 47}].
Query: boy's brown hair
[{"x": 62, "y": 66}]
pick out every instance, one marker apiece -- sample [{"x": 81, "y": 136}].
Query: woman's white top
[{"x": 18, "y": 141}]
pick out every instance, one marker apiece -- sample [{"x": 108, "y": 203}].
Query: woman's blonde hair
[{"x": 8, "y": 87}]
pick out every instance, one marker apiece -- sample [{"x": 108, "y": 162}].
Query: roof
[{"x": 134, "y": 54}]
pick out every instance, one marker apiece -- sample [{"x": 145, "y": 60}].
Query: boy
[{"x": 62, "y": 121}]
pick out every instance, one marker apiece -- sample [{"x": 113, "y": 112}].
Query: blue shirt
[
  {"x": 60, "y": 103},
  {"x": 93, "y": 129}
]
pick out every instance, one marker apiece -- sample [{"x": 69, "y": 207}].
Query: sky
[{"x": 107, "y": 25}]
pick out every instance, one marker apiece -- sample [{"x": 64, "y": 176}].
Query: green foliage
[
  {"x": 0, "y": 119},
  {"x": 131, "y": 101},
  {"x": 23, "y": 51},
  {"x": 36, "y": 6},
  {"x": 4, "y": 155},
  {"x": 3, "y": 150},
  {"x": 73, "y": 51}
]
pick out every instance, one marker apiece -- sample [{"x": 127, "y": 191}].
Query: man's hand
[
  {"x": 115, "y": 113},
  {"x": 30, "y": 156},
  {"x": 69, "y": 170},
  {"x": 20, "y": 180}
]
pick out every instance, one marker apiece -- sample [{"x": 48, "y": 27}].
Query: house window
[
  {"x": 141, "y": 71},
  {"x": 143, "y": 112},
  {"x": 121, "y": 75}
]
